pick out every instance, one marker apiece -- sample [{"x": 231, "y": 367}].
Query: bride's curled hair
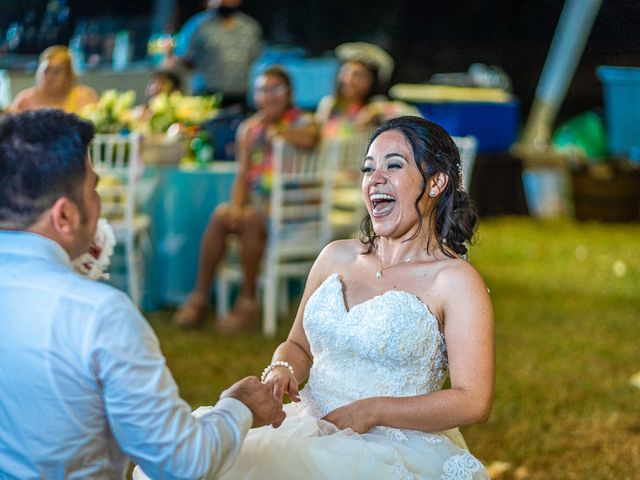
[{"x": 434, "y": 152}]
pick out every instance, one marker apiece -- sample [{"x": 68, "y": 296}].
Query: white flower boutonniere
[{"x": 95, "y": 262}]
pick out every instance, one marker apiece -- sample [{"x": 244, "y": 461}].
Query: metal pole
[{"x": 574, "y": 26}]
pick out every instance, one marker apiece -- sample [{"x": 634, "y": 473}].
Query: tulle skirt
[{"x": 304, "y": 447}]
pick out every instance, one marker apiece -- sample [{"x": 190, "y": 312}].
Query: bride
[{"x": 381, "y": 323}]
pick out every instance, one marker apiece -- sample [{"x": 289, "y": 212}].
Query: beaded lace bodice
[{"x": 389, "y": 345}]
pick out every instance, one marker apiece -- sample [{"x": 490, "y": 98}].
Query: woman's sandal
[
  {"x": 244, "y": 316},
  {"x": 193, "y": 311}
]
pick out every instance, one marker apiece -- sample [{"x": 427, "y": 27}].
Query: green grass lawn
[{"x": 567, "y": 308}]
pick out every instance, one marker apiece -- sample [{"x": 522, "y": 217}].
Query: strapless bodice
[{"x": 388, "y": 345}]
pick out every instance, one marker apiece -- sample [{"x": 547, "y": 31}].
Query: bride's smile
[{"x": 391, "y": 183}]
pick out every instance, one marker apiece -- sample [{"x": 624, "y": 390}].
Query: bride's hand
[
  {"x": 282, "y": 381},
  {"x": 353, "y": 415}
]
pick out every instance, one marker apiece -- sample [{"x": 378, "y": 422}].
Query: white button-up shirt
[{"x": 84, "y": 385}]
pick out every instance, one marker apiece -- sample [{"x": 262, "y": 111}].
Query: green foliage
[
  {"x": 113, "y": 112},
  {"x": 167, "y": 109}
]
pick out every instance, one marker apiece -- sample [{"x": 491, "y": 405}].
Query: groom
[{"x": 83, "y": 384}]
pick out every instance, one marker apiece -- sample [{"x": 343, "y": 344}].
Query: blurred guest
[
  {"x": 359, "y": 103},
  {"x": 56, "y": 85},
  {"x": 343, "y": 113},
  {"x": 247, "y": 213},
  {"x": 163, "y": 81},
  {"x": 221, "y": 50}
]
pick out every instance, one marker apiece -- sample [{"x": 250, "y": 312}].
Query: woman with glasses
[
  {"x": 56, "y": 85},
  {"x": 247, "y": 213}
]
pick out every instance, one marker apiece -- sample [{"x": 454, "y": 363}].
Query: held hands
[
  {"x": 266, "y": 408},
  {"x": 353, "y": 415},
  {"x": 280, "y": 381}
]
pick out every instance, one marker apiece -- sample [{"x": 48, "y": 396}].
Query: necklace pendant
[{"x": 379, "y": 274}]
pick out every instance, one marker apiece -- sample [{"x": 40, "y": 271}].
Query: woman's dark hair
[
  {"x": 42, "y": 158},
  {"x": 277, "y": 71},
  {"x": 434, "y": 152},
  {"x": 374, "y": 88}
]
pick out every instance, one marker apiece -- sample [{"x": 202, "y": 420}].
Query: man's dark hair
[{"x": 42, "y": 158}]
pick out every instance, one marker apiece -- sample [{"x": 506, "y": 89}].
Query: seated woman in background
[
  {"x": 161, "y": 82},
  {"x": 345, "y": 112},
  {"x": 247, "y": 213},
  {"x": 56, "y": 85},
  {"x": 358, "y": 104}
]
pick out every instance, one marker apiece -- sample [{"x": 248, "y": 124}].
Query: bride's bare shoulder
[
  {"x": 343, "y": 250},
  {"x": 339, "y": 254},
  {"x": 336, "y": 257}
]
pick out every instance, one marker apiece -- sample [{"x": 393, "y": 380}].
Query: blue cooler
[
  {"x": 621, "y": 87},
  {"x": 495, "y": 125}
]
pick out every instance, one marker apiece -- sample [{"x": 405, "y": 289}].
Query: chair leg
[
  {"x": 283, "y": 302},
  {"x": 222, "y": 295},
  {"x": 269, "y": 318}
]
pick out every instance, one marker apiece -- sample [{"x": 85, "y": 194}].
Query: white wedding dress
[{"x": 389, "y": 345}]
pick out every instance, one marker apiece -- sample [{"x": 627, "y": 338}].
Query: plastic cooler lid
[{"x": 619, "y": 74}]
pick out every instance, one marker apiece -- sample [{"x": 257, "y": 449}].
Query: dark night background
[{"x": 424, "y": 37}]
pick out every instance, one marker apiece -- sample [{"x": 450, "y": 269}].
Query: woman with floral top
[{"x": 246, "y": 214}]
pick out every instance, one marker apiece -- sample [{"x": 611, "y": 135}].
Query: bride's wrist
[{"x": 276, "y": 364}]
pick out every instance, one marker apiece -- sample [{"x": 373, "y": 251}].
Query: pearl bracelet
[{"x": 272, "y": 365}]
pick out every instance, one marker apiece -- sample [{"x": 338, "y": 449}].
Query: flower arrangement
[
  {"x": 167, "y": 109},
  {"x": 113, "y": 112},
  {"x": 96, "y": 260}
]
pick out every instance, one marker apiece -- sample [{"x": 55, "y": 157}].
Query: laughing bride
[{"x": 381, "y": 324}]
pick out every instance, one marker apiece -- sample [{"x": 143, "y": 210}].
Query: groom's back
[{"x": 52, "y": 419}]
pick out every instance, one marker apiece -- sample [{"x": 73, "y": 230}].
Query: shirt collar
[{"x": 34, "y": 245}]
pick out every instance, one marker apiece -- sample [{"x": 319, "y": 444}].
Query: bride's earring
[{"x": 432, "y": 193}]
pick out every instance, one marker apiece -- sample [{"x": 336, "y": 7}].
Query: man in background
[{"x": 219, "y": 47}]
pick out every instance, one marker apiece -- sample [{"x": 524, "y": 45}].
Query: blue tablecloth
[{"x": 180, "y": 207}]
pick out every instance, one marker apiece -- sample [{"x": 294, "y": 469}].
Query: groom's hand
[{"x": 266, "y": 409}]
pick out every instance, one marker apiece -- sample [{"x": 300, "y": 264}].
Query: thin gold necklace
[{"x": 382, "y": 268}]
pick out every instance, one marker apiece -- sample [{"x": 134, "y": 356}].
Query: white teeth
[{"x": 376, "y": 197}]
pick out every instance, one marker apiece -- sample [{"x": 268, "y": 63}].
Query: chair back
[
  {"x": 468, "y": 147},
  {"x": 299, "y": 210},
  {"x": 116, "y": 158},
  {"x": 347, "y": 205}
]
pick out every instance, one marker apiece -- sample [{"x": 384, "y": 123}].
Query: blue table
[{"x": 180, "y": 206}]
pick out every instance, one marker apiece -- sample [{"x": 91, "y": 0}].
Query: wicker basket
[
  {"x": 606, "y": 195},
  {"x": 163, "y": 150}
]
